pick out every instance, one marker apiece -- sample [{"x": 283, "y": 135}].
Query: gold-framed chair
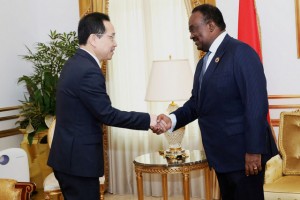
[
  {"x": 14, "y": 190},
  {"x": 282, "y": 175},
  {"x": 51, "y": 186}
]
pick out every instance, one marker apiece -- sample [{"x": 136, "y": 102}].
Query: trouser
[
  {"x": 237, "y": 186},
  {"x": 78, "y": 188}
]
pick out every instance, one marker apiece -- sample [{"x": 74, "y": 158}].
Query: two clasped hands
[{"x": 160, "y": 124}]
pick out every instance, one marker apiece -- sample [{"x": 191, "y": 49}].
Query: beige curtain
[{"x": 146, "y": 31}]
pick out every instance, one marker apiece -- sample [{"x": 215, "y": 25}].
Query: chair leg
[
  {"x": 102, "y": 189},
  {"x": 58, "y": 195}
]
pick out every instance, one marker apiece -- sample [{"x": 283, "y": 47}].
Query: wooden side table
[{"x": 154, "y": 163}]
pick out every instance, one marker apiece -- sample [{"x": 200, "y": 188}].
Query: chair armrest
[
  {"x": 27, "y": 189},
  {"x": 8, "y": 190},
  {"x": 273, "y": 169}
]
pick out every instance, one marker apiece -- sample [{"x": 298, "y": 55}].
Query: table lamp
[{"x": 171, "y": 80}]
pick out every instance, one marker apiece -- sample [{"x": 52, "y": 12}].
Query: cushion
[
  {"x": 285, "y": 184},
  {"x": 286, "y": 187},
  {"x": 289, "y": 140},
  {"x": 102, "y": 180},
  {"x": 273, "y": 169},
  {"x": 50, "y": 183}
]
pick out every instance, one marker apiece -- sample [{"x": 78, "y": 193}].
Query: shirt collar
[
  {"x": 214, "y": 46},
  {"x": 96, "y": 59}
]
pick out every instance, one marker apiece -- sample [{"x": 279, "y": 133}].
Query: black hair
[
  {"x": 91, "y": 24},
  {"x": 211, "y": 13}
]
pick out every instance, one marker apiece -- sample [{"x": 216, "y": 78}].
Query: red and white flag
[{"x": 248, "y": 27}]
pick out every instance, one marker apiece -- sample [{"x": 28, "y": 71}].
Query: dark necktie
[{"x": 203, "y": 71}]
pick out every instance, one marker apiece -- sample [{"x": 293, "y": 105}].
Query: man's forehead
[
  {"x": 195, "y": 18},
  {"x": 108, "y": 26}
]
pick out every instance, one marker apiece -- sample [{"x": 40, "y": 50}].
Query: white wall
[
  {"x": 279, "y": 46},
  {"x": 26, "y": 23}
]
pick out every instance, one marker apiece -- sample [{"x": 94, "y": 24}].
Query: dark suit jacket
[
  {"x": 232, "y": 107},
  {"x": 82, "y": 107}
]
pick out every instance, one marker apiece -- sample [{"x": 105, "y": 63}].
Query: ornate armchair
[
  {"x": 282, "y": 175},
  {"x": 13, "y": 190},
  {"x": 51, "y": 186}
]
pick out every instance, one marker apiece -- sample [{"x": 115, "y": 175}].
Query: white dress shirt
[{"x": 93, "y": 57}]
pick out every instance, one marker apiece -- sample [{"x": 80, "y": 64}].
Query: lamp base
[
  {"x": 174, "y": 152},
  {"x": 174, "y": 155}
]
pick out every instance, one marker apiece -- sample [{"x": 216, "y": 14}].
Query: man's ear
[
  {"x": 211, "y": 26},
  {"x": 92, "y": 39}
]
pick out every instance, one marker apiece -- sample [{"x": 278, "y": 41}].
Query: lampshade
[{"x": 170, "y": 80}]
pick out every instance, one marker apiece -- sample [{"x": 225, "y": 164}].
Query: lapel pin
[{"x": 217, "y": 59}]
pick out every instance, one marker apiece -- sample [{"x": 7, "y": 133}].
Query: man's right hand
[{"x": 164, "y": 123}]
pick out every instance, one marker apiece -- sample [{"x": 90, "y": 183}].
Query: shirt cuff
[{"x": 174, "y": 121}]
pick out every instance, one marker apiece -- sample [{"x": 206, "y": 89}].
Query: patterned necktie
[{"x": 203, "y": 71}]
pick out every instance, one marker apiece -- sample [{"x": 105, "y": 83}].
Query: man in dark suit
[
  {"x": 83, "y": 105},
  {"x": 229, "y": 98}
]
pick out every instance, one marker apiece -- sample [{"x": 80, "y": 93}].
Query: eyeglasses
[{"x": 111, "y": 37}]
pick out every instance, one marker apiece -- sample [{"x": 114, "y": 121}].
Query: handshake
[{"x": 160, "y": 124}]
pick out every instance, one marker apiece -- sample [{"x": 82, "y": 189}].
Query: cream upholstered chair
[
  {"x": 51, "y": 186},
  {"x": 282, "y": 175}
]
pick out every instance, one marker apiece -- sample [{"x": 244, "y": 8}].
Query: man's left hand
[{"x": 252, "y": 164}]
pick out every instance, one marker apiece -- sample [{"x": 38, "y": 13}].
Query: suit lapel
[{"x": 215, "y": 62}]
